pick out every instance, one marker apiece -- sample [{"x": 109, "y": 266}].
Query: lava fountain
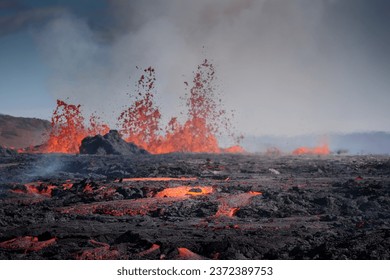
[
  {"x": 68, "y": 128},
  {"x": 140, "y": 123},
  {"x": 319, "y": 150}
]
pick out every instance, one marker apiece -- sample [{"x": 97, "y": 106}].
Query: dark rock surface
[
  {"x": 109, "y": 144},
  {"x": 7, "y": 152},
  {"x": 225, "y": 207}
]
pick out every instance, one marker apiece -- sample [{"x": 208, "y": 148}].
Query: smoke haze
[{"x": 285, "y": 67}]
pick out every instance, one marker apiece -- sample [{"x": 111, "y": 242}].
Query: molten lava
[
  {"x": 36, "y": 188},
  {"x": 229, "y": 206},
  {"x": 103, "y": 251},
  {"x": 141, "y": 206},
  {"x": 205, "y": 118},
  {"x": 68, "y": 128},
  {"x": 131, "y": 207},
  {"x": 26, "y": 244},
  {"x": 236, "y": 149},
  {"x": 184, "y": 191},
  {"x": 185, "y": 254},
  {"x": 140, "y": 123},
  {"x": 319, "y": 150},
  {"x": 149, "y": 251}
]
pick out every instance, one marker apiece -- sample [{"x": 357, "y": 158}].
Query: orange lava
[
  {"x": 319, "y": 150},
  {"x": 42, "y": 188},
  {"x": 225, "y": 211},
  {"x": 26, "y": 244},
  {"x": 140, "y": 122},
  {"x": 185, "y": 254},
  {"x": 231, "y": 204},
  {"x": 254, "y": 193},
  {"x": 102, "y": 252},
  {"x": 149, "y": 251},
  {"x": 68, "y": 129},
  {"x": 232, "y": 211},
  {"x": 133, "y": 207},
  {"x": 87, "y": 188},
  {"x": 184, "y": 191},
  {"x": 68, "y": 184},
  {"x": 205, "y": 119},
  {"x": 234, "y": 150},
  {"x": 36, "y": 188}
]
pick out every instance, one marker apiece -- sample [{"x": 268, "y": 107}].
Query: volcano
[{"x": 146, "y": 191}]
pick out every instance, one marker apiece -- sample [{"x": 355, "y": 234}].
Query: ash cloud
[{"x": 286, "y": 67}]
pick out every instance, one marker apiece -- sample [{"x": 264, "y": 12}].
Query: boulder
[{"x": 109, "y": 144}]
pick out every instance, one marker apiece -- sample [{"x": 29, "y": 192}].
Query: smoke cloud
[{"x": 285, "y": 67}]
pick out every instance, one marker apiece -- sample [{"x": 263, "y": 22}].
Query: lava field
[{"x": 194, "y": 206}]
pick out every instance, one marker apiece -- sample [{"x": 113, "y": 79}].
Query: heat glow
[
  {"x": 68, "y": 128},
  {"x": 140, "y": 122},
  {"x": 184, "y": 191},
  {"x": 26, "y": 244},
  {"x": 229, "y": 206},
  {"x": 186, "y": 254},
  {"x": 319, "y": 150}
]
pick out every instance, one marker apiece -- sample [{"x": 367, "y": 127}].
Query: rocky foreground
[{"x": 194, "y": 206}]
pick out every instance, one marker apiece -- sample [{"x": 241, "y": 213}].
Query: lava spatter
[
  {"x": 319, "y": 150},
  {"x": 68, "y": 128},
  {"x": 140, "y": 122}
]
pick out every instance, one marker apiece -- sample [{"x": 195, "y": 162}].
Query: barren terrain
[
  {"x": 194, "y": 206},
  {"x": 20, "y": 132}
]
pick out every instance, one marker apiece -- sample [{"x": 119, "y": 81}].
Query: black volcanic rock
[
  {"x": 7, "y": 152},
  {"x": 109, "y": 144},
  {"x": 61, "y": 206}
]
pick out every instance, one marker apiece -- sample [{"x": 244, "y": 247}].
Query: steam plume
[{"x": 286, "y": 67}]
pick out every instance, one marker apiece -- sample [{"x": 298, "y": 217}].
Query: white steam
[{"x": 279, "y": 65}]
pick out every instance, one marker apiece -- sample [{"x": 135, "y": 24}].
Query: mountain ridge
[{"x": 21, "y": 132}]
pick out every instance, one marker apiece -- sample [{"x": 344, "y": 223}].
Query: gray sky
[{"x": 286, "y": 67}]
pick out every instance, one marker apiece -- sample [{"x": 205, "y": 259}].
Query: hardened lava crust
[{"x": 194, "y": 206}]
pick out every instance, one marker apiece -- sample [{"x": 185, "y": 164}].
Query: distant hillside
[{"x": 20, "y": 132}]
